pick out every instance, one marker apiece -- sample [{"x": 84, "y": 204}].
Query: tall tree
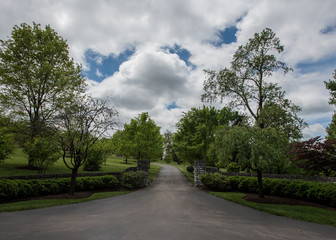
[
  {"x": 81, "y": 125},
  {"x": 169, "y": 151},
  {"x": 196, "y": 129},
  {"x": 247, "y": 84},
  {"x": 259, "y": 149},
  {"x": 331, "y": 86},
  {"x": 145, "y": 138},
  {"x": 122, "y": 143},
  {"x": 37, "y": 76}
]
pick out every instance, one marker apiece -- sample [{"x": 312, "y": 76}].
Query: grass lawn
[
  {"x": 304, "y": 213},
  {"x": 33, "y": 204},
  {"x": 19, "y": 159}
]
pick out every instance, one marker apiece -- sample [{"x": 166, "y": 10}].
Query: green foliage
[
  {"x": 195, "y": 131},
  {"x": 44, "y": 150},
  {"x": 6, "y": 144},
  {"x": 190, "y": 168},
  {"x": 133, "y": 179},
  {"x": 322, "y": 193},
  {"x": 94, "y": 159},
  {"x": 247, "y": 83},
  {"x": 331, "y": 128},
  {"x": 143, "y": 138},
  {"x": 215, "y": 181},
  {"x": 15, "y": 189},
  {"x": 331, "y": 86},
  {"x": 255, "y": 148},
  {"x": 233, "y": 167},
  {"x": 37, "y": 77}
]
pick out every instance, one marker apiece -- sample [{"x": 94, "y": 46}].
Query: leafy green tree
[
  {"x": 81, "y": 125},
  {"x": 247, "y": 83},
  {"x": 196, "y": 129},
  {"x": 331, "y": 86},
  {"x": 331, "y": 128},
  {"x": 6, "y": 139},
  {"x": 143, "y": 135},
  {"x": 37, "y": 77},
  {"x": 259, "y": 149},
  {"x": 169, "y": 152},
  {"x": 122, "y": 143},
  {"x": 95, "y": 158},
  {"x": 45, "y": 150}
]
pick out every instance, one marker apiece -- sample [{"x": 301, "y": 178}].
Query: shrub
[
  {"x": 94, "y": 160},
  {"x": 190, "y": 168},
  {"x": 215, "y": 181},
  {"x": 233, "y": 167},
  {"x": 322, "y": 193},
  {"x": 133, "y": 179},
  {"x": 14, "y": 189}
]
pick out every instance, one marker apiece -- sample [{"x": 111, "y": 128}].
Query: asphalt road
[{"x": 168, "y": 209}]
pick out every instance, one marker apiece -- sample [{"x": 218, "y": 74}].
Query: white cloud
[
  {"x": 152, "y": 79},
  {"x": 313, "y": 131}
]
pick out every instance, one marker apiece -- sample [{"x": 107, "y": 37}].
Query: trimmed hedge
[
  {"x": 15, "y": 189},
  {"x": 215, "y": 181},
  {"x": 133, "y": 179},
  {"x": 322, "y": 193}
]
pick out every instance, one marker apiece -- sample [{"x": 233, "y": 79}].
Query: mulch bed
[{"x": 281, "y": 200}]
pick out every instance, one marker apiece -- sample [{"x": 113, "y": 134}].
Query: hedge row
[
  {"x": 133, "y": 179},
  {"x": 322, "y": 193},
  {"x": 15, "y": 189}
]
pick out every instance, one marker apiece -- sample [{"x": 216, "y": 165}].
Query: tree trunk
[
  {"x": 126, "y": 160},
  {"x": 31, "y": 160},
  {"x": 260, "y": 184},
  {"x": 73, "y": 181}
]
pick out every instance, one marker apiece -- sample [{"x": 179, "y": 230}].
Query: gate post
[
  {"x": 199, "y": 168},
  {"x": 144, "y": 165}
]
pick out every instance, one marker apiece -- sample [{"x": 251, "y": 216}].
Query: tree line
[{"x": 46, "y": 111}]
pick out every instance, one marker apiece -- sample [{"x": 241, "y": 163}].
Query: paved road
[{"x": 169, "y": 209}]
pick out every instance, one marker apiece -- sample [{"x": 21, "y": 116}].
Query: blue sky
[{"x": 149, "y": 56}]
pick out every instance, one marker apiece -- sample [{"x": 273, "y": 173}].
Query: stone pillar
[
  {"x": 199, "y": 168},
  {"x": 144, "y": 165}
]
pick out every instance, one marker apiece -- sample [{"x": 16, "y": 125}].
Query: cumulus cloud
[
  {"x": 313, "y": 131},
  {"x": 152, "y": 79}
]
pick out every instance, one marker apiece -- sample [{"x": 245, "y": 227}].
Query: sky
[{"x": 149, "y": 55}]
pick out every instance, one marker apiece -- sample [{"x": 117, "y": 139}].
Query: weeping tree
[
  {"x": 247, "y": 83},
  {"x": 81, "y": 125}
]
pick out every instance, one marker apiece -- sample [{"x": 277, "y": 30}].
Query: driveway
[{"x": 170, "y": 208}]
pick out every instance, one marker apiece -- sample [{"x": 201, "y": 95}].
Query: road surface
[{"x": 170, "y": 208}]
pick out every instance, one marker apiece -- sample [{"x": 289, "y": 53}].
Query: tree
[
  {"x": 6, "y": 138},
  {"x": 122, "y": 143},
  {"x": 247, "y": 83},
  {"x": 37, "y": 77},
  {"x": 258, "y": 149},
  {"x": 196, "y": 128},
  {"x": 143, "y": 135},
  {"x": 169, "y": 152},
  {"x": 81, "y": 125},
  {"x": 331, "y": 86},
  {"x": 314, "y": 155}
]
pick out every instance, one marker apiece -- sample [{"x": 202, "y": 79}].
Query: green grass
[
  {"x": 19, "y": 159},
  {"x": 33, "y": 204},
  {"x": 153, "y": 172},
  {"x": 304, "y": 213}
]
